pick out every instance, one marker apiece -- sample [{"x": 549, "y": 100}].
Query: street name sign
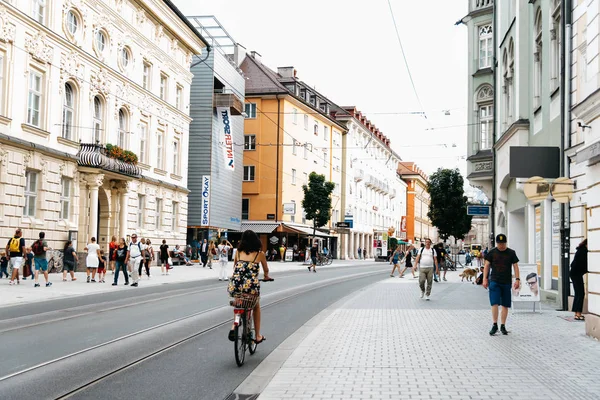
[{"x": 481, "y": 211}]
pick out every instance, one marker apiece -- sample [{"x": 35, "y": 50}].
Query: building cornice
[
  {"x": 483, "y": 72},
  {"x": 480, "y": 12},
  {"x": 589, "y": 108},
  {"x": 481, "y": 155},
  {"x": 510, "y": 132}
]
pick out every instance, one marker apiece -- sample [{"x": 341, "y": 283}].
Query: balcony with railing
[
  {"x": 393, "y": 194},
  {"x": 94, "y": 155},
  {"x": 477, "y": 5},
  {"x": 359, "y": 175},
  {"x": 228, "y": 98}
]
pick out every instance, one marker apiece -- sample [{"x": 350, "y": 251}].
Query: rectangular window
[
  {"x": 295, "y": 114},
  {"x": 250, "y": 110},
  {"x": 38, "y": 10},
  {"x": 140, "y": 211},
  {"x": 326, "y": 133},
  {"x": 249, "y": 173},
  {"x": 143, "y": 142},
  {"x": 486, "y": 124},
  {"x": 245, "y": 208},
  {"x": 305, "y": 122},
  {"x": 293, "y": 176},
  {"x": 174, "y": 217},
  {"x": 324, "y": 158},
  {"x": 164, "y": 82},
  {"x": 30, "y": 193},
  {"x": 316, "y": 128},
  {"x": 179, "y": 98},
  {"x": 306, "y": 178},
  {"x": 147, "y": 78},
  {"x": 65, "y": 198},
  {"x": 34, "y": 101},
  {"x": 294, "y": 147},
  {"x": 306, "y": 151},
  {"x": 176, "y": 157},
  {"x": 485, "y": 46},
  {"x": 159, "y": 149},
  {"x": 249, "y": 142},
  {"x": 158, "y": 214}
]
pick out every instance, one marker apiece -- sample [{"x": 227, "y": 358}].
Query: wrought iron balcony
[{"x": 93, "y": 155}]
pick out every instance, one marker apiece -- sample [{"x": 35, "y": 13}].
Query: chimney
[
  {"x": 286, "y": 72},
  {"x": 239, "y": 53},
  {"x": 256, "y": 55}
]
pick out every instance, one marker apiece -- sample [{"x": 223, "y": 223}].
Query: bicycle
[
  {"x": 55, "y": 261},
  {"x": 244, "y": 324},
  {"x": 324, "y": 259}
]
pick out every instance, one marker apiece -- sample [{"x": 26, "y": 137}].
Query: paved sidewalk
[
  {"x": 26, "y": 293},
  {"x": 387, "y": 343}
]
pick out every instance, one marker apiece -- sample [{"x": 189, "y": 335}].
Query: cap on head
[{"x": 501, "y": 238}]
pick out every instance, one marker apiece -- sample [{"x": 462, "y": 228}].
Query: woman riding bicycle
[{"x": 245, "y": 280}]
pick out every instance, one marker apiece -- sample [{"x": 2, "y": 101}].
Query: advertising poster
[
  {"x": 384, "y": 244},
  {"x": 538, "y": 238},
  {"x": 205, "y": 217},
  {"x": 530, "y": 284},
  {"x": 228, "y": 152},
  {"x": 555, "y": 243}
]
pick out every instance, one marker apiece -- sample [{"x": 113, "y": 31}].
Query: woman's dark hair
[
  {"x": 582, "y": 244},
  {"x": 250, "y": 242},
  {"x": 164, "y": 241},
  {"x": 67, "y": 245}
]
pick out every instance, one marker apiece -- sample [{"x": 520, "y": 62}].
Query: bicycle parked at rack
[
  {"x": 243, "y": 322},
  {"x": 324, "y": 259}
]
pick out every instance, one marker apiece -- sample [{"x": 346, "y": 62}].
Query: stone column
[
  {"x": 123, "y": 209},
  {"x": 351, "y": 245},
  {"x": 530, "y": 233},
  {"x": 94, "y": 182}
]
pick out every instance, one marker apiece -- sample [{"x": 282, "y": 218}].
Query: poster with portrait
[{"x": 530, "y": 284}]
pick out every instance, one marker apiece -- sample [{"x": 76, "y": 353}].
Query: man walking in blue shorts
[{"x": 500, "y": 260}]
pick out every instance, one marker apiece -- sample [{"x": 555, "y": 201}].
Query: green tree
[
  {"x": 317, "y": 200},
  {"x": 448, "y": 207}
]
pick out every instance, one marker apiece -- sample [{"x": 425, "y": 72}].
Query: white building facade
[
  {"x": 584, "y": 150},
  {"x": 78, "y": 77},
  {"x": 373, "y": 195}
]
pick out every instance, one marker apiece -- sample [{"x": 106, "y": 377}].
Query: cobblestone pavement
[{"x": 387, "y": 343}]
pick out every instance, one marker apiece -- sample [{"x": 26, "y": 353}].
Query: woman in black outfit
[
  {"x": 579, "y": 267},
  {"x": 164, "y": 257}
]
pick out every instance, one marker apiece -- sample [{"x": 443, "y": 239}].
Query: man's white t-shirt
[
  {"x": 135, "y": 249},
  {"x": 427, "y": 255},
  {"x": 223, "y": 251}
]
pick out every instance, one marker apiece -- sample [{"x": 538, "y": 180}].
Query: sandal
[
  {"x": 581, "y": 318},
  {"x": 231, "y": 335},
  {"x": 260, "y": 341}
]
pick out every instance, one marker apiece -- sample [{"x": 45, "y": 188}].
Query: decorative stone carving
[
  {"x": 174, "y": 47},
  {"x": 118, "y": 5},
  {"x": 145, "y": 105},
  {"x": 62, "y": 167},
  {"x": 70, "y": 67},
  {"x": 95, "y": 180},
  {"x": 124, "y": 96},
  {"x": 38, "y": 48},
  {"x": 7, "y": 30},
  {"x": 3, "y": 157},
  {"x": 188, "y": 59},
  {"x": 159, "y": 33},
  {"x": 44, "y": 165},
  {"x": 140, "y": 17},
  {"x": 100, "y": 83},
  {"x": 162, "y": 113}
]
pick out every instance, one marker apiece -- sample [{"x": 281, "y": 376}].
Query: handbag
[{"x": 169, "y": 262}]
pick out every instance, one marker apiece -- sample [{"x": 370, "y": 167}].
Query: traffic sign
[
  {"x": 343, "y": 224},
  {"x": 481, "y": 211}
]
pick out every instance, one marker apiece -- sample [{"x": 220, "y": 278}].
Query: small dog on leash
[{"x": 468, "y": 273}]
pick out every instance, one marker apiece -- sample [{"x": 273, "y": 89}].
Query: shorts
[
  {"x": 41, "y": 264},
  {"x": 443, "y": 266},
  {"x": 313, "y": 260},
  {"x": 16, "y": 263},
  {"x": 69, "y": 266},
  {"x": 500, "y": 294}
]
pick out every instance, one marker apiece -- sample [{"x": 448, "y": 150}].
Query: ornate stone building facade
[{"x": 94, "y": 119}]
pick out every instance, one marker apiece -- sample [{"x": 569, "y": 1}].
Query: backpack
[
  {"x": 15, "y": 245},
  {"x": 432, "y": 251},
  {"x": 38, "y": 247}
]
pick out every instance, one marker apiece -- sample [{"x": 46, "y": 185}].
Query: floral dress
[{"x": 245, "y": 278}]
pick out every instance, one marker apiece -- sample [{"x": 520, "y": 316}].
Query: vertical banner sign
[
  {"x": 555, "y": 243},
  {"x": 403, "y": 224},
  {"x": 205, "y": 217},
  {"x": 384, "y": 244},
  {"x": 538, "y": 238},
  {"x": 225, "y": 133}
]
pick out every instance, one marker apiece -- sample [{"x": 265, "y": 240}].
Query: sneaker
[
  {"x": 494, "y": 329},
  {"x": 36, "y": 285},
  {"x": 48, "y": 284},
  {"x": 88, "y": 279},
  {"x": 126, "y": 284},
  {"x": 428, "y": 297},
  {"x": 114, "y": 284},
  {"x": 503, "y": 330},
  {"x": 401, "y": 276},
  {"x": 18, "y": 282},
  {"x": 435, "y": 279},
  {"x": 134, "y": 284},
  {"x": 93, "y": 280},
  {"x": 422, "y": 294},
  {"x": 11, "y": 282},
  {"x": 445, "y": 279},
  {"x": 315, "y": 271},
  {"x": 308, "y": 269}
]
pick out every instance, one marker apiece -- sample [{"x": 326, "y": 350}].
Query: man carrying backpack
[
  {"x": 427, "y": 261},
  {"x": 15, "y": 250},
  {"x": 39, "y": 249},
  {"x": 134, "y": 258}
]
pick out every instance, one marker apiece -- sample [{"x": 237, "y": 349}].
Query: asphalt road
[{"x": 163, "y": 342}]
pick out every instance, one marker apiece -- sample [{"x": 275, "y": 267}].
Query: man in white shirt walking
[
  {"x": 224, "y": 248},
  {"x": 427, "y": 261},
  {"x": 134, "y": 257}
]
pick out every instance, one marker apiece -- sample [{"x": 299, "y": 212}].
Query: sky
[{"x": 349, "y": 51}]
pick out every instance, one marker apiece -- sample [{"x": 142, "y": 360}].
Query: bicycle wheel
[
  {"x": 251, "y": 335},
  {"x": 240, "y": 341},
  {"x": 329, "y": 260}
]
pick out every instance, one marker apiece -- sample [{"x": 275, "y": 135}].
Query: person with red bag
[{"x": 112, "y": 254}]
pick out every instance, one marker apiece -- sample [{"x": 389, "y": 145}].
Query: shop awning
[
  {"x": 259, "y": 227},
  {"x": 303, "y": 230}
]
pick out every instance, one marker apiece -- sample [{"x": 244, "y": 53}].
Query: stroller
[{"x": 451, "y": 265}]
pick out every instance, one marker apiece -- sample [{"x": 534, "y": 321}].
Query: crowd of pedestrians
[{"x": 127, "y": 258}]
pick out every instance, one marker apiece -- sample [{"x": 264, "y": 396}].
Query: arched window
[
  {"x": 485, "y": 106},
  {"x": 555, "y": 36},
  {"x": 506, "y": 88},
  {"x": 123, "y": 121},
  {"x": 98, "y": 118},
  {"x": 537, "y": 57},
  {"x": 68, "y": 112}
]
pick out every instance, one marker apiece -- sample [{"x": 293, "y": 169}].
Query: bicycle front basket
[{"x": 244, "y": 300}]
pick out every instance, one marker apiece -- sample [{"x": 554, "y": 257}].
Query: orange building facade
[{"x": 418, "y": 227}]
